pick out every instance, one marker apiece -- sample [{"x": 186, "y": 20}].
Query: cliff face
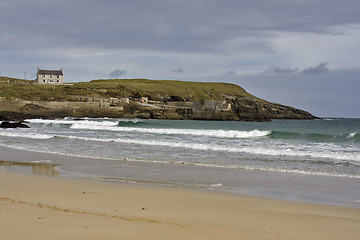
[
  {"x": 238, "y": 110},
  {"x": 139, "y": 98}
]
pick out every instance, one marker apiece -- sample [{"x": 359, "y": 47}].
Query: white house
[{"x": 50, "y": 76}]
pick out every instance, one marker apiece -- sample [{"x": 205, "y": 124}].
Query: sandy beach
[{"x": 38, "y": 207}]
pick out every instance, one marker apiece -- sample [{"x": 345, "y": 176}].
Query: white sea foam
[
  {"x": 216, "y": 185},
  {"x": 42, "y": 161},
  {"x": 93, "y": 125},
  {"x": 351, "y": 135},
  {"x": 111, "y": 126},
  {"x": 133, "y": 120},
  {"x": 302, "y": 172},
  {"x": 25, "y": 135},
  {"x": 252, "y": 168},
  {"x": 85, "y": 123},
  {"x": 200, "y": 164},
  {"x": 257, "y": 150},
  {"x": 329, "y": 152},
  {"x": 51, "y": 121}
]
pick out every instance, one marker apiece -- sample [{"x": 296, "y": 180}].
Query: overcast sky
[{"x": 303, "y": 53}]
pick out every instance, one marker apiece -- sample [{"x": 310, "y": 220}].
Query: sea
[{"x": 314, "y": 161}]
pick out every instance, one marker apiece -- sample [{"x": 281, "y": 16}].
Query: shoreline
[
  {"x": 40, "y": 204},
  {"x": 75, "y": 207},
  {"x": 40, "y": 207},
  {"x": 287, "y": 187}
]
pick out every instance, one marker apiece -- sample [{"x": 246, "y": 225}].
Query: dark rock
[
  {"x": 17, "y": 116},
  {"x": 13, "y": 125},
  {"x": 174, "y": 98}
]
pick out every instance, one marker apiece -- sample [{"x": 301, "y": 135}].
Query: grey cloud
[
  {"x": 179, "y": 70},
  {"x": 321, "y": 68},
  {"x": 117, "y": 73},
  {"x": 278, "y": 70},
  {"x": 176, "y": 26}
]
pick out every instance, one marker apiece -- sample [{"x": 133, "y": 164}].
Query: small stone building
[
  {"x": 144, "y": 100},
  {"x": 50, "y": 76}
]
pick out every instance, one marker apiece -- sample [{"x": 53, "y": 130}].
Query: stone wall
[{"x": 110, "y": 101}]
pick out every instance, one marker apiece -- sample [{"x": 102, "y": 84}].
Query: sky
[{"x": 301, "y": 53}]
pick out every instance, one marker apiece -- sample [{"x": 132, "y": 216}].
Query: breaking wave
[
  {"x": 256, "y": 150},
  {"x": 316, "y": 137},
  {"x": 110, "y": 126},
  {"x": 140, "y": 126},
  {"x": 133, "y": 125},
  {"x": 51, "y": 122},
  {"x": 25, "y": 135}
]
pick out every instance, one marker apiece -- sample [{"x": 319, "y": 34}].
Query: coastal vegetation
[
  {"x": 138, "y": 98},
  {"x": 157, "y": 90}
]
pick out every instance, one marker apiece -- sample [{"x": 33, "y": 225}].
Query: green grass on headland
[
  {"x": 157, "y": 90},
  {"x": 11, "y": 88},
  {"x": 244, "y": 106},
  {"x": 160, "y": 89}
]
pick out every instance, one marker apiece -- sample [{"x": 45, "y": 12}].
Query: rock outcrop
[
  {"x": 140, "y": 98},
  {"x": 237, "y": 109},
  {"x": 6, "y": 124}
]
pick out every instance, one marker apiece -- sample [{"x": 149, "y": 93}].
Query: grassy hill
[
  {"x": 12, "y": 88},
  {"x": 157, "y": 90},
  {"x": 162, "y": 89},
  {"x": 51, "y": 101}
]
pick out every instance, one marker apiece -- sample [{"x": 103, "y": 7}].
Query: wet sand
[{"x": 39, "y": 207}]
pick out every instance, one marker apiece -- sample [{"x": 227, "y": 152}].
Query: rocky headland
[{"x": 139, "y": 98}]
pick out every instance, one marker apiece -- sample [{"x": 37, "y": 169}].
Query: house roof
[{"x": 50, "y": 72}]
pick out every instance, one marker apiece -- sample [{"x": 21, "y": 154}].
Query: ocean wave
[
  {"x": 127, "y": 125},
  {"x": 353, "y": 135},
  {"x": 255, "y": 150},
  {"x": 315, "y": 137},
  {"x": 110, "y": 126},
  {"x": 51, "y": 121},
  {"x": 131, "y": 122},
  {"x": 199, "y": 164},
  {"x": 85, "y": 121},
  {"x": 25, "y": 135},
  {"x": 137, "y": 126},
  {"x": 308, "y": 172},
  {"x": 69, "y": 122},
  {"x": 253, "y": 168}
]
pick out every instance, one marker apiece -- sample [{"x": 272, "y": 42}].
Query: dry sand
[{"x": 36, "y": 207}]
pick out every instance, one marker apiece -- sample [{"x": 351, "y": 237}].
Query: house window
[
  {"x": 57, "y": 76},
  {"x": 44, "y": 75},
  {"x": 44, "y": 80},
  {"x": 57, "y": 80}
]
